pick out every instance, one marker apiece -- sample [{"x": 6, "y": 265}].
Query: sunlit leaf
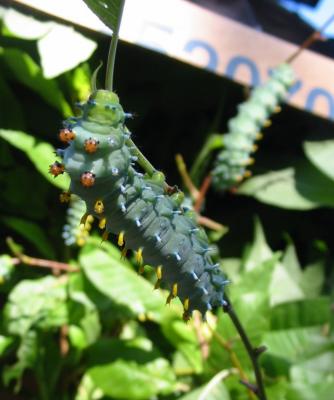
[
  {"x": 125, "y": 287},
  {"x": 321, "y": 155},
  {"x": 36, "y": 303},
  {"x": 55, "y": 59},
  {"x": 109, "y": 11},
  {"x": 41, "y": 154},
  {"x": 117, "y": 379},
  {"x": 300, "y": 188},
  {"x": 27, "y": 72}
]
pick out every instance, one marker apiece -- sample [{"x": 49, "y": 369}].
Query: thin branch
[
  {"x": 183, "y": 171},
  {"x": 43, "y": 263},
  {"x": 316, "y": 35},
  {"x": 259, "y": 388},
  {"x": 234, "y": 359},
  {"x": 36, "y": 262},
  {"x": 202, "y": 193},
  {"x": 203, "y": 344},
  {"x": 210, "y": 223}
]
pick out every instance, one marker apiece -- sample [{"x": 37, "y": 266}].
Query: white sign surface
[{"x": 194, "y": 35}]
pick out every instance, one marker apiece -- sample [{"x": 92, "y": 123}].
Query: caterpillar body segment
[
  {"x": 75, "y": 232},
  {"x": 137, "y": 208},
  {"x": 244, "y": 129}
]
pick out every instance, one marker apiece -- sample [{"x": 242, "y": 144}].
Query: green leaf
[
  {"x": 38, "y": 303},
  {"x": 321, "y": 155},
  {"x": 11, "y": 115},
  {"x": 109, "y": 11},
  {"x": 313, "y": 279},
  {"x": 32, "y": 232},
  {"x": 57, "y": 59},
  {"x": 87, "y": 390},
  {"x": 5, "y": 343},
  {"x": 129, "y": 380},
  {"x": 259, "y": 251},
  {"x": 27, "y": 72},
  {"x": 320, "y": 391},
  {"x": 24, "y": 26},
  {"x": 300, "y": 188},
  {"x": 298, "y": 344},
  {"x": 213, "y": 390},
  {"x": 305, "y": 313},
  {"x": 6, "y": 268},
  {"x": 41, "y": 154},
  {"x": 183, "y": 338},
  {"x": 27, "y": 355},
  {"x": 114, "y": 279}
]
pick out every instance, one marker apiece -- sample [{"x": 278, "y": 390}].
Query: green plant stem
[
  {"x": 112, "y": 51},
  {"x": 142, "y": 160},
  {"x": 213, "y": 142},
  {"x": 252, "y": 353}
]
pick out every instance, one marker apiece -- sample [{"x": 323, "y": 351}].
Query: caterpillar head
[{"x": 103, "y": 108}]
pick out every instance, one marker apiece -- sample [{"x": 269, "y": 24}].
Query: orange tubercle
[
  {"x": 56, "y": 169},
  {"x": 91, "y": 145},
  {"x": 87, "y": 179},
  {"x": 66, "y": 135}
]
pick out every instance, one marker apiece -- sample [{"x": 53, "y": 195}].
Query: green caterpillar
[
  {"x": 244, "y": 129},
  {"x": 147, "y": 217}
]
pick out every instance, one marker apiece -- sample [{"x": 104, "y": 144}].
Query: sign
[{"x": 202, "y": 38}]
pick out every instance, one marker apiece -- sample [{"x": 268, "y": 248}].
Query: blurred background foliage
[{"x": 98, "y": 330}]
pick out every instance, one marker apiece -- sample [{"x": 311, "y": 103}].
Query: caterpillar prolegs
[
  {"x": 244, "y": 129},
  {"x": 138, "y": 207}
]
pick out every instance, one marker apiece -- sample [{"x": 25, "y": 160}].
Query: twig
[
  {"x": 203, "y": 344},
  {"x": 233, "y": 357},
  {"x": 316, "y": 35},
  {"x": 37, "y": 262},
  {"x": 42, "y": 263},
  {"x": 211, "y": 224},
  {"x": 252, "y": 353},
  {"x": 202, "y": 193},
  {"x": 63, "y": 341},
  {"x": 181, "y": 166}
]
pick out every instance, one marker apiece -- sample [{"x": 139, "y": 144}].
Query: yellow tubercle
[
  {"x": 259, "y": 136},
  {"x": 277, "y": 109},
  {"x": 267, "y": 123},
  {"x": 120, "y": 241},
  {"x": 139, "y": 256},
  {"x": 254, "y": 148},
  {"x": 172, "y": 294},
  {"x": 247, "y": 174},
  {"x": 103, "y": 223},
  {"x": 99, "y": 207},
  {"x": 186, "y": 304},
  {"x": 159, "y": 272}
]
